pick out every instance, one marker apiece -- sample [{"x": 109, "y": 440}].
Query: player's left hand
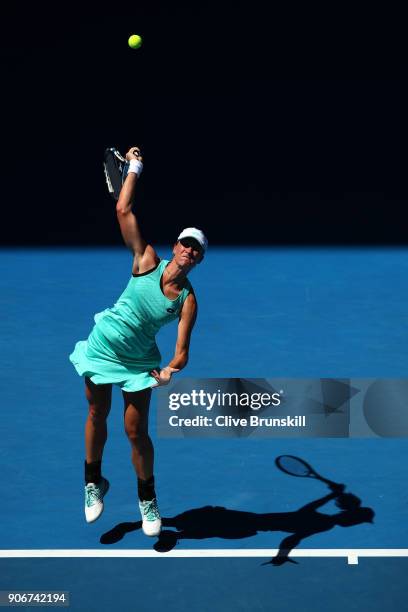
[{"x": 164, "y": 376}]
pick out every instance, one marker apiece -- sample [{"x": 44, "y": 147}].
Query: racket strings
[{"x": 293, "y": 466}]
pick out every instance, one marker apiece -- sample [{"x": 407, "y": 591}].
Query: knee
[
  {"x": 137, "y": 437},
  {"x": 98, "y": 413}
]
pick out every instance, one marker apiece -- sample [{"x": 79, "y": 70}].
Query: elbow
[
  {"x": 122, "y": 209},
  {"x": 124, "y": 205}
]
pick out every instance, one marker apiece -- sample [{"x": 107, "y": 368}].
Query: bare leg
[
  {"x": 99, "y": 398},
  {"x": 136, "y": 426}
]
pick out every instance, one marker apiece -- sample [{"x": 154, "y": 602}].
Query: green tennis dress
[{"x": 121, "y": 348}]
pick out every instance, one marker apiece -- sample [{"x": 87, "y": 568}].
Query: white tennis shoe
[
  {"x": 151, "y": 521},
  {"x": 94, "y": 494}
]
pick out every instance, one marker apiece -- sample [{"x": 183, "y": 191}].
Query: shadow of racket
[{"x": 294, "y": 466}]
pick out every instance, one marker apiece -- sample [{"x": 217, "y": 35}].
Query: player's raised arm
[{"x": 145, "y": 255}]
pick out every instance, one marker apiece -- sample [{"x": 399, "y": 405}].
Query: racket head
[
  {"x": 294, "y": 466},
  {"x": 114, "y": 165}
]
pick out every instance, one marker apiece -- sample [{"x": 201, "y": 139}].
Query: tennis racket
[
  {"x": 297, "y": 467},
  {"x": 115, "y": 168}
]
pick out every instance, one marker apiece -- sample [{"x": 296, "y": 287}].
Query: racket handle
[
  {"x": 336, "y": 487},
  {"x": 330, "y": 483}
]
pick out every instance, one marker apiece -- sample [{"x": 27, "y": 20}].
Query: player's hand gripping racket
[{"x": 297, "y": 467}]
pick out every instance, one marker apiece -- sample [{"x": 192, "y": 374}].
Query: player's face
[{"x": 188, "y": 252}]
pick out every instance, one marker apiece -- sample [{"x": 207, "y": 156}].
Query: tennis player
[{"x": 122, "y": 350}]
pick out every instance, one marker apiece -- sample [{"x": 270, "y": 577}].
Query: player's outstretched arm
[
  {"x": 317, "y": 503},
  {"x": 188, "y": 317},
  {"x": 145, "y": 256}
]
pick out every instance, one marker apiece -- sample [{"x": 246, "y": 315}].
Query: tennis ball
[{"x": 135, "y": 41}]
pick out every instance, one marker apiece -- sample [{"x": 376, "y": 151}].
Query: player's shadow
[
  {"x": 119, "y": 531},
  {"x": 218, "y": 522}
]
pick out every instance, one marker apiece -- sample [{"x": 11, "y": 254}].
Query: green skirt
[{"x": 95, "y": 359}]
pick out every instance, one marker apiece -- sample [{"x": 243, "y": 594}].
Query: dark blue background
[{"x": 259, "y": 124}]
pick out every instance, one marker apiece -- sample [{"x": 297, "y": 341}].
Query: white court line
[{"x": 352, "y": 554}]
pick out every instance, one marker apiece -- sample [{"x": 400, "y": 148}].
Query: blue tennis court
[{"x": 263, "y": 312}]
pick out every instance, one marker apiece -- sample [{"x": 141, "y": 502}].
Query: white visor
[{"x": 193, "y": 232}]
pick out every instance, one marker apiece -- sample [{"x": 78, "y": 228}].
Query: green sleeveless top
[
  {"x": 121, "y": 348},
  {"x": 131, "y": 325}
]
